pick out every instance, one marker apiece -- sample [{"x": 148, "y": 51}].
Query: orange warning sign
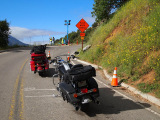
[
  {"x": 82, "y": 25},
  {"x": 82, "y": 34}
]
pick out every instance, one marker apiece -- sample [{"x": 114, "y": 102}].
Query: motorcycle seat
[{"x": 62, "y": 69}]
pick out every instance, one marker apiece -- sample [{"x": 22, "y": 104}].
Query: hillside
[
  {"x": 130, "y": 41},
  {"x": 14, "y": 41}
]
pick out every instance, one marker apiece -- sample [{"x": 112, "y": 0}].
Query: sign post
[{"x": 82, "y": 25}]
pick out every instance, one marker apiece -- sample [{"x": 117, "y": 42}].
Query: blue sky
[{"x": 32, "y": 21}]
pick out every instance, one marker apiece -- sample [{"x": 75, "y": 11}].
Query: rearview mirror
[
  {"x": 73, "y": 56},
  {"x": 76, "y": 53}
]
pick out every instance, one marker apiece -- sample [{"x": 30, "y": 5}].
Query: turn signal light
[
  {"x": 75, "y": 95},
  {"x": 94, "y": 90},
  {"x": 33, "y": 58}
]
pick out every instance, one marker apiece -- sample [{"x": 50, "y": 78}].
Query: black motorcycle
[{"x": 76, "y": 83}]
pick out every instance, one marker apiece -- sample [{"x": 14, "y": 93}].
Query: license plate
[
  {"x": 38, "y": 57},
  {"x": 82, "y": 83},
  {"x": 39, "y": 61}
]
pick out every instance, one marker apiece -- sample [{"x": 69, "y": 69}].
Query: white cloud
[{"x": 21, "y": 33}]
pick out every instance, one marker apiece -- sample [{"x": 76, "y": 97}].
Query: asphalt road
[{"x": 28, "y": 96}]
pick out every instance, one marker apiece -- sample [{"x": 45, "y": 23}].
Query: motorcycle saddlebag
[
  {"x": 32, "y": 65},
  {"x": 68, "y": 92}
]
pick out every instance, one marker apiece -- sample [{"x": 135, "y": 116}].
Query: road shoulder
[{"x": 145, "y": 96}]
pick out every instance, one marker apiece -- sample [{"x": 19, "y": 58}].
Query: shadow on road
[
  {"x": 111, "y": 104},
  {"x": 16, "y": 51}
]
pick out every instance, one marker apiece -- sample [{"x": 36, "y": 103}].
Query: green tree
[
  {"x": 72, "y": 37},
  {"x": 102, "y": 9},
  {"x": 4, "y": 33},
  {"x": 94, "y": 25}
]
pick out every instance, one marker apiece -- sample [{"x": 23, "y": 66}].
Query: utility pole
[
  {"x": 30, "y": 41},
  {"x": 67, "y": 23}
]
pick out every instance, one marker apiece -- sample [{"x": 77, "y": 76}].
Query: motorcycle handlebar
[
  {"x": 52, "y": 61},
  {"x": 58, "y": 58}
]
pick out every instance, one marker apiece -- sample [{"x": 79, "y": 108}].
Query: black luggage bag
[
  {"x": 81, "y": 73},
  {"x": 38, "y": 49}
]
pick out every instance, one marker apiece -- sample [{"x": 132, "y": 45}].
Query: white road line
[
  {"x": 34, "y": 89},
  {"x": 126, "y": 96},
  {"x": 113, "y": 89},
  {"x": 42, "y": 96}
]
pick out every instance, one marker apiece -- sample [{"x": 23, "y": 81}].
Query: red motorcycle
[{"x": 39, "y": 61}]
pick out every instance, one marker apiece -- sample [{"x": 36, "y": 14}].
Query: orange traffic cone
[
  {"x": 68, "y": 57},
  {"x": 49, "y": 56},
  {"x": 114, "y": 79}
]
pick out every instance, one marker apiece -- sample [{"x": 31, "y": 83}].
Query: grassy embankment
[{"x": 131, "y": 42}]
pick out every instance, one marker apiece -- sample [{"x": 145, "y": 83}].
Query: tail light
[
  {"x": 75, "y": 95},
  {"x": 94, "y": 90},
  {"x": 85, "y": 90},
  {"x": 33, "y": 58}
]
